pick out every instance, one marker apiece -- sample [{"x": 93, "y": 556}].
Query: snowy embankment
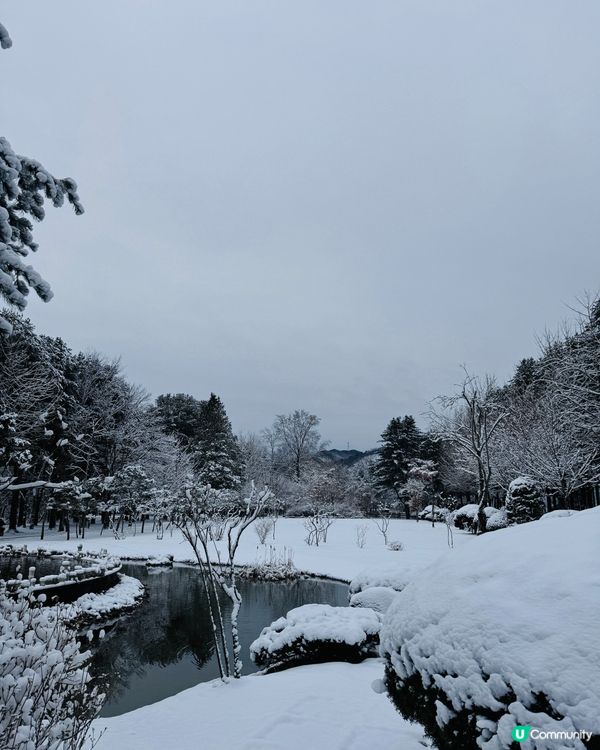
[
  {"x": 503, "y": 632},
  {"x": 339, "y": 558},
  {"x": 318, "y": 706},
  {"x": 122, "y": 596}
]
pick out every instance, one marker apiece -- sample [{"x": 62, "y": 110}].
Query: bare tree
[
  {"x": 297, "y": 438},
  {"x": 198, "y": 510},
  {"x": 468, "y": 420}
]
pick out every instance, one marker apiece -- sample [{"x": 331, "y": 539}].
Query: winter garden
[{"x": 166, "y": 582}]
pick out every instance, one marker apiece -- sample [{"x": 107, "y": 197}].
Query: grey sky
[{"x": 321, "y": 204}]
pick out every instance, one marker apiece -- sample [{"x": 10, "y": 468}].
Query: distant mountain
[{"x": 345, "y": 457}]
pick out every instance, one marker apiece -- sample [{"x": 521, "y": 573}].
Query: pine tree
[
  {"x": 181, "y": 415},
  {"x": 401, "y": 442},
  {"x": 217, "y": 458}
]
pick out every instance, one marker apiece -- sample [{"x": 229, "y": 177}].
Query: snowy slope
[
  {"x": 517, "y": 612},
  {"x": 328, "y": 706}
]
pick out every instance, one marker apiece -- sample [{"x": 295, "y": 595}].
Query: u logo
[{"x": 520, "y": 733}]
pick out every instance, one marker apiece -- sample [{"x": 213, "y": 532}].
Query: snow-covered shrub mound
[
  {"x": 502, "y": 632},
  {"x": 465, "y": 518},
  {"x": 562, "y": 513},
  {"x": 317, "y": 633},
  {"x": 378, "y": 598},
  {"x": 429, "y": 511},
  {"x": 159, "y": 561},
  {"x": 46, "y": 699},
  {"x": 395, "y": 546},
  {"x": 524, "y": 501},
  {"x": 395, "y": 577},
  {"x": 497, "y": 520}
]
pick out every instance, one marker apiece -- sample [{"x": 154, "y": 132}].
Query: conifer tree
[
  {"x": 401, "y": 443},
  {"x": 217, "y": 458}
]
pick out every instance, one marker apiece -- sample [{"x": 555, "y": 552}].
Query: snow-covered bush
[
  {"x": 524, "y": 501},
  {"x": 263, "y": 527},
  {"x": 378, "y": 598},
  {"x": 395, "y": 546},
  {"x": 474, "y": 648},
  {"x": 317, "y": 633},
  {"x": 431, "y": 512},
  {"x": 497, "y": 520},
  {"x": 465, "y": 518},
  {"x": 46, "y": 699},
  {"x": 360, "y": 531}
]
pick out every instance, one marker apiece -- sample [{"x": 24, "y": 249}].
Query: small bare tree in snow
[
  {"x": 200, "y": 508},
  {"x": 361, "y": 530}
]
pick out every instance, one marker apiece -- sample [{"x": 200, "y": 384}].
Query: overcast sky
[{"x": 320, "y": 204}]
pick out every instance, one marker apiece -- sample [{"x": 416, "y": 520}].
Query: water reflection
[{"x": 166, "y": 644}]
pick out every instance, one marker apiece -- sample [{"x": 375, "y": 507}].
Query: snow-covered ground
[
  {"x": 319, "y": 707},
  {"x": 339, "y": 558}
]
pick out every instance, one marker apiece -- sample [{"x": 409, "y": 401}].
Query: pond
[{"x": 165, "y": 645}]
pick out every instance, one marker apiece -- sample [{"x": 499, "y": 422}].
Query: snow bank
[
  {"x": 562, "y": 513},
  {"x": 123, "y": 595},
  {"x": 501, "y": 632},
  {"x": 310, "y": 634},
  {"x": 378, "y": 598},
  {"x": 395, "y": 576}
]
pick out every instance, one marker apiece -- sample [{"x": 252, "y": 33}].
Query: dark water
[
  {"x": 44, "y": 566},
  {"x": 165, "y": 645}
]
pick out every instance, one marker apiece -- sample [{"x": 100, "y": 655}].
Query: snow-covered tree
[
  {"x": 524, "y": 501},
  {"x": 217, "y": 458},
  {"x": 200, "y": 508},
  {"x": 401, "y": 443}
]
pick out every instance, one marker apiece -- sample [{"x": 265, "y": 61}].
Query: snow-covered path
[{"x": 328, "y": 706}]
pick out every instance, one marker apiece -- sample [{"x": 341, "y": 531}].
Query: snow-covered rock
[
  {"x": 317, "y": 633},
  {"x": 378, "y": 598},
  {"x": 502, "y": 632}
]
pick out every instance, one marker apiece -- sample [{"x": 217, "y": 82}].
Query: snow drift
[{"x": 502, "y": 632}]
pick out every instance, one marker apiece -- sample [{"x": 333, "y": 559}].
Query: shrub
[
  {"x": 47, "y": 700},
  {"x": 378, "y": 598},
  {"x": 497, "y": 520},
  {"x": 317, "y": 633},
  {"x": 524, "y": 501},
  {"x": 263, "y": 527},
  {"x": 395, "y": 546}
]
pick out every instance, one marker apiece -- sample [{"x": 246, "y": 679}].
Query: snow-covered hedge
[
  {"x": 378, "y": 598},
  {"x": 46, "y": 700},
  {"x": 474, "y": 647},
  {"x": 317, "y": 633},
  {"x": 524, "y": 501}
]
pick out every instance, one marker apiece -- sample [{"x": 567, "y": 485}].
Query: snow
[
  {"x": 318, "y": 622},
  {"x": 378, "y": 598},
  {"x": 394, "y": 576},
  {"x": 328, "y": 706},
  {"x": 339, "y": 558},
  {"x": 122, "y": 595},
  {"x": 514, "y": 611},
  {"x": 563, "y": 513}
]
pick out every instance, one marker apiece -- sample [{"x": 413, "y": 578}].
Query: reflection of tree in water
[
  {"x": 171, "y": 623},
  {"x": 172, "y": 627}
]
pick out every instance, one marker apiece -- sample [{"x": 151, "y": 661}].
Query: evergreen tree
[
  {"x": 181, "y": 415},
  {"x": 402, "y": 442},
  {"x": 217, "y": 459}
]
